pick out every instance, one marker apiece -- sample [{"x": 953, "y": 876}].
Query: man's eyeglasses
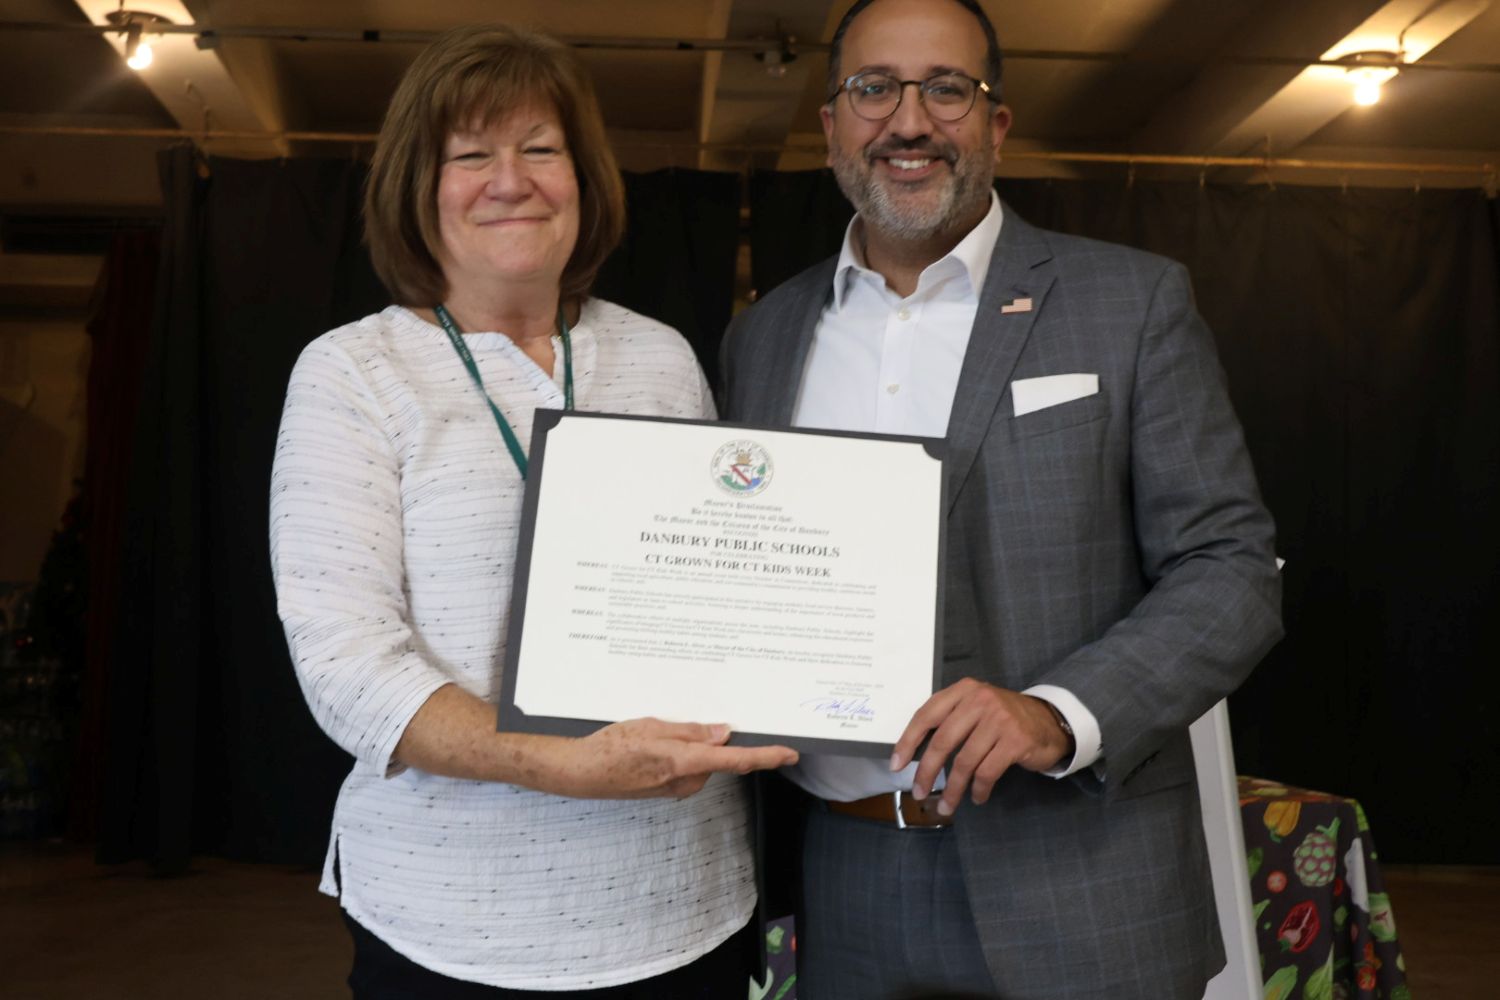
[{"x": 947, "y": 97}]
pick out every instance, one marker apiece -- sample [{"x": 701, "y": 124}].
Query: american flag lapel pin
[{"x": 1016, "y": 306}]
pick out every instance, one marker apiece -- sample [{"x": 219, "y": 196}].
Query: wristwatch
[{"x": 1062, "y": 723}]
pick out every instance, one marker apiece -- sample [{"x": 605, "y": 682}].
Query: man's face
[{"x": 913, "y": 178}]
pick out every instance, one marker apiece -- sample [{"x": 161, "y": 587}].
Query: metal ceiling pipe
[{"x": 208, "y": 36}]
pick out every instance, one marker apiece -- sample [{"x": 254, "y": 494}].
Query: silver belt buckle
[{"x": 900, "y": 816}]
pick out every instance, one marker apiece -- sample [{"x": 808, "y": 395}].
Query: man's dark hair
[{"x": 991, "y": 55}]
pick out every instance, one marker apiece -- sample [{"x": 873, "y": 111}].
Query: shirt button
[
  {"x": 893, "y": 388},
  {"x": 903, "y": 313}
]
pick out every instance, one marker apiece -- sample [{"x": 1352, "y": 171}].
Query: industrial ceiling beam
[
  {"x": 1246, "y": 101},
  {"x": 193, "y": 83}
]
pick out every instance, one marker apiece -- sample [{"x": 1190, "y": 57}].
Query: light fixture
[
  {"x": 1368, "y": 72},
  {"x": 776, "y": 58},
  {"x": 133, "y": 24},
  {"x": 137, "y": 52}
]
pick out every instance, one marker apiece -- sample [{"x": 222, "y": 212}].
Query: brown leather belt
[{"x": 897, "y": 808}]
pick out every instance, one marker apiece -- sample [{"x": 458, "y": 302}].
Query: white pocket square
[{"x": 1032, "y": 394}]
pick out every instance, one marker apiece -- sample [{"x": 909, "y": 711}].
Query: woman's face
[{"x": 508, "y": 202}]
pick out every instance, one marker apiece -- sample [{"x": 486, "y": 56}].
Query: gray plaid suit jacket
[{"x": 1114, "y": 545}]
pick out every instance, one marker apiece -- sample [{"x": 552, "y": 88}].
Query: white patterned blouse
[{"x": 394, "y": 516}]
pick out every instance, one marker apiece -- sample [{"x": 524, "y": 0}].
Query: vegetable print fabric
[{"x": 1323, "y": 921}]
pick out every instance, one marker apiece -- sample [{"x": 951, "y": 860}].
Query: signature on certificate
[{"x": 841, "y": 708}]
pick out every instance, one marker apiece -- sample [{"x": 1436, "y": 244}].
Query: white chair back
[{"x": 1214, "y": 754}]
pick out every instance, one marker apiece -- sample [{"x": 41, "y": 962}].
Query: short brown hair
[{"x": 472, "y": 77}]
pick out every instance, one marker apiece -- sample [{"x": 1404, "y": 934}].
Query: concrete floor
[
  {"x": 72, "y": 930},
  {"x": 1448, "y": 920}
]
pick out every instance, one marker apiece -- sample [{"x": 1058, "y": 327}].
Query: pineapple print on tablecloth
[{"x": 1314, "y": 860}]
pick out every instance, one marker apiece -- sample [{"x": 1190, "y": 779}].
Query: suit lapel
[
  {"x": 784, "y": 366},
  {"x": 1020, "y": 269}
]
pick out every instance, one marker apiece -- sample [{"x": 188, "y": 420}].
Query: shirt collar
[{"x": 973, "y": 253}]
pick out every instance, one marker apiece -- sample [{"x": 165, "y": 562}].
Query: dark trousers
[
  {"x": 381, "y": 974},
  {"x": 885, "y": 914}
]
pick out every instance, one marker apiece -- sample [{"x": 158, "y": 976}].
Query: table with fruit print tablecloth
[{"x": 1322, "y": 918}]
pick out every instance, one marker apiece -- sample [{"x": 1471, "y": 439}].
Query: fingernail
[
  {"x": 895, "y": 762},
  {"x": 918, "y": 792},
  {"x": 720, "y": 731},
  {"x": 944, "y": 809}
]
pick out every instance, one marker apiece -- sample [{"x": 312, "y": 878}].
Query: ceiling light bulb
[
  {"x": 1368, "y": 71},
  {"x": 140, "y": 58},
  {"x": 137, "y": 52}
]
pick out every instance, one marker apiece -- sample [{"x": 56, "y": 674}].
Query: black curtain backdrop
[
  {"x": 1360, "y": 331},
  {"x": 208, "y": 745},
  {"x": 796, "y": 219},
  {"x": 677, "y": 261}
]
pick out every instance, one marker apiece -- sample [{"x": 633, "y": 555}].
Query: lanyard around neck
[{"x": 455, "y": 337}]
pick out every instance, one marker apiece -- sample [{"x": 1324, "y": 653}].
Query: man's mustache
[{"x": 909, "y": 150}]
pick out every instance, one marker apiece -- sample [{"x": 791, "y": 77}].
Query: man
[{"x": 1109, "y": 577}]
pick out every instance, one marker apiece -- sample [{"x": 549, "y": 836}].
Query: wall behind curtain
[
  {"x": 119, "y": 327},
  {"x": 208, "y": 745},
  {"x": 1360, "y": 332}
]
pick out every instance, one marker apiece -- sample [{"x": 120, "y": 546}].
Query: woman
[{"x": 469, "y": 862}]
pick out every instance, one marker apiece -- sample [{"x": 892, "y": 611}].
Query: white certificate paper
[{"x": 787, "y": 583}]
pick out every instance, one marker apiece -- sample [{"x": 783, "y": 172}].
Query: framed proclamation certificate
[{"x": 786, "y": 582}]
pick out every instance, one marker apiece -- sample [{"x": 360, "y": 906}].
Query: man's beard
[{"x": 905, "y": 218}]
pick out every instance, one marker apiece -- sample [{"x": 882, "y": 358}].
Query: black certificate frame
[{"x": 511, "y": 718}]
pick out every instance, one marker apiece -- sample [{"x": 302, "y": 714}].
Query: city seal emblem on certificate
[{"x": 741, "y": 468}]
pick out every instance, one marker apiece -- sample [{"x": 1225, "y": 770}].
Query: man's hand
[
  {"x": 649, "y": 758},
  {"x": 984, "y": 729}
]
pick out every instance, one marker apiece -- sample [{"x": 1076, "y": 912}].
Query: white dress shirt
[{"x": 882, "y": 363}]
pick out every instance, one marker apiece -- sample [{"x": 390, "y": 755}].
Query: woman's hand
[
  {"x": 453, "y": 734},
  {"x": 649, "y": 758}
]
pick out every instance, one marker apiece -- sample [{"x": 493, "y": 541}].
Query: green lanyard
[{"x": 456, "y": 338}]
